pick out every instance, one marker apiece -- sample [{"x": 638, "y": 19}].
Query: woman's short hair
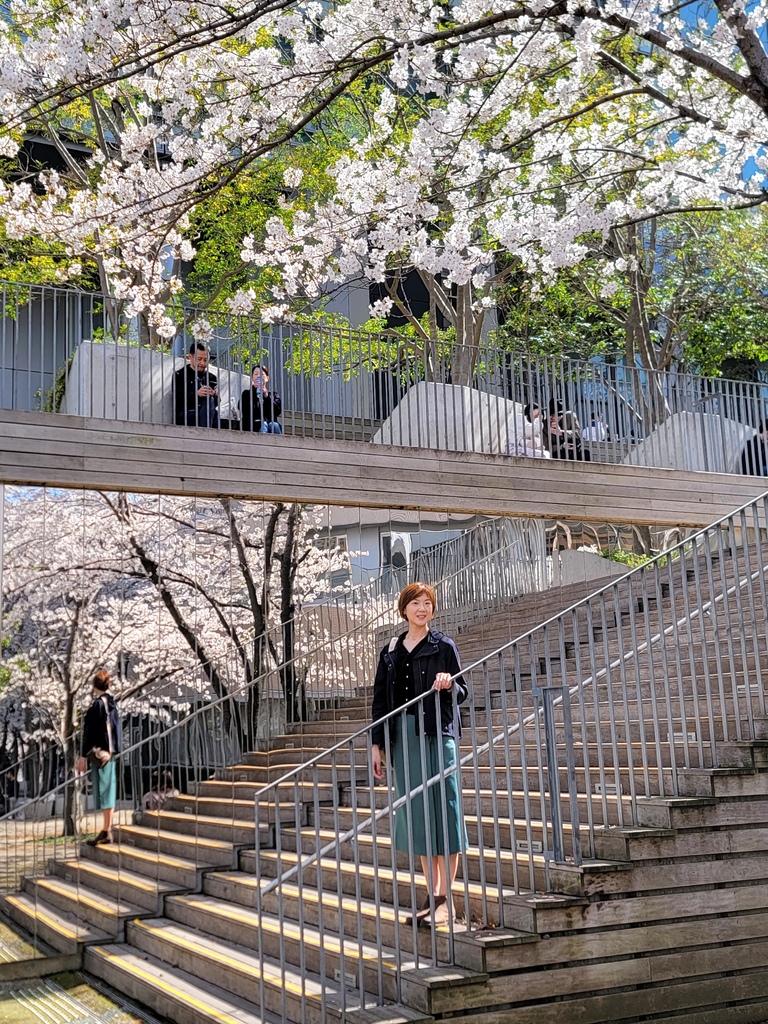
[
  {"x": 411, "y": 592},
  {"x": 101, "y": 680}
]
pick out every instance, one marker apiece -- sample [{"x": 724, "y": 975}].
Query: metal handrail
[
  {"x": 188, "y": 720},
  {"x": 582, "y": 602},
  {"x": 541, "y": 719}
]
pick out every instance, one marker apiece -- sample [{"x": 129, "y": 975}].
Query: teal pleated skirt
[
  {"x": 413, "y": 834},
  {"x": 104, "y": 785}
]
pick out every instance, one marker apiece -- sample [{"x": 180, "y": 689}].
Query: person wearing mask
[
  {"x": 260, "y": 408},
  {"x": 196, "y": 391},
  {"x": 418, "y": 661},
  {"x": 101, "y": 741}
]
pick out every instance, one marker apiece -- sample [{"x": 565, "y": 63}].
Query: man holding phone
[{"x": 196, "y": 391}]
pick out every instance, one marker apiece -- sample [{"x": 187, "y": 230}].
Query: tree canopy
[{"x": 483, "y": 136}]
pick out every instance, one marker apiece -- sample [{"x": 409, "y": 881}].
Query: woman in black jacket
[
  {"x": 100, "y": 742},
  {"x": 260, "y": 407},
  {"x": 415, "y": 663}
]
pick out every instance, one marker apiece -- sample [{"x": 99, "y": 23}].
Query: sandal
[
  {"x": 441, "y": 914},
  {"x": 418, "y": 915}
]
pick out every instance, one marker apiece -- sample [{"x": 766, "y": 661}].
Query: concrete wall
[
  {"x": 125, "y": 382},
  {"x": 453, "y": 417},
  {"x": 576, "y": 566}
]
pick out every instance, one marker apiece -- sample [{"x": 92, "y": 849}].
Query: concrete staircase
[{"x": 668, "y": 921}]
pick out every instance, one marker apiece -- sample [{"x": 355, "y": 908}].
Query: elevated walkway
[{"x": 73, "y": 451}]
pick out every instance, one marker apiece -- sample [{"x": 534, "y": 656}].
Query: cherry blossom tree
[
  {"x": 515, "y": 129},
  {"x": 183, "y": 601}
]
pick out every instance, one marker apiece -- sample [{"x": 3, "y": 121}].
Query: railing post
[{"x": 551, "y": 697}]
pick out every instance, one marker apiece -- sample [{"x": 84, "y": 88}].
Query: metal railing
[
  {"x": 75, "y": 352},
  {"x": 567, "y": 728},
  {"x": 186, "y": 768},
  {"x": 335, "y": 644}
]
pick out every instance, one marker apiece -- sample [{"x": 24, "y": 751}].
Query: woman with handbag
[
  {"x": 416, "y": 662},
  {"x": 100, "y": 743}
]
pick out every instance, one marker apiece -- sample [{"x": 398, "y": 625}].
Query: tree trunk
[
  {"x": 639, "y": 342},
  {"x": 70, "y": 732},
  {"x": 293, "y": 691}
]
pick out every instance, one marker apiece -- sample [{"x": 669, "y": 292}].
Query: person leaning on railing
[
  {"x": 420, "y": 660},
  {"x": 101, "y": 741}
]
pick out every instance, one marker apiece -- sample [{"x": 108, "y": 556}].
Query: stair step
[
  {"x": 107, "y": 913},
  {"x": 362, "y": 878},
  {"x": 373, "y": 921},
  {"x": 185, "y": 999},
  {"x": 303, "y": 944},
  {"x": 179, "y": 871},
  {"x": 224, "y": 828},
  {"x": 239, "y": 969},
  {"x": 63, "y": 931},
  {"x": 175, "y": 994},
  {"x": 210, "y": 851},
  {"x": 114, "y": 882}
]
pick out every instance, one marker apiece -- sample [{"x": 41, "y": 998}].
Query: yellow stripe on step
[
  {"x": 223, "y": 959},
  {"x": 101, "y": 906},
  {"x": 223, "y": 1018},
  {"x": 273, "y": 926},
  {"x": 136, "y": 883},
  {"x": 46, "y": 919}
]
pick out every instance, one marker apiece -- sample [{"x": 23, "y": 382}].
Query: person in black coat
[
  {"x": 260, "y": 408},
  {"x": 754, "y": 457},
  {"x": 417, "y": 662},
  {"x": 562, "y": 434},
  {"x": 196, "y": 391},
  {"x": 101, "y": 741}
]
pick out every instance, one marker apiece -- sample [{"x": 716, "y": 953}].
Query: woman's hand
[
  {"x": 376, "y": 762},
  {"x": 81, "y": 765},
  {"x": 442, "y": 681}
]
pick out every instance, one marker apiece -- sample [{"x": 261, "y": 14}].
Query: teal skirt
[
  {"x": 104, "y": 786},
  {"x": 413, "y": 834}
]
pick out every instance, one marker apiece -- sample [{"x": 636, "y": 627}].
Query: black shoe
[{"x": 101, "y": 838}]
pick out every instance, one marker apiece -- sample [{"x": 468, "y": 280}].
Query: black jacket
[
  {"x": 438, "y": 654},
  {"x": 754, "y": 458},
  {"x": 256, "y": 409},
  {"x": 186, "y": 383},
  {"x": 95, "y": 732},
  {"x": 566, "y": 445}
]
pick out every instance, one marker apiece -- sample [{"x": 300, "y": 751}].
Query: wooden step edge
[
  {"x": 108, "y": 872},
  {"x": 152, "y": 982}
]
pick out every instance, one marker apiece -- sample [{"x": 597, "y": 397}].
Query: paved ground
[{"x": 66, "y": 999}]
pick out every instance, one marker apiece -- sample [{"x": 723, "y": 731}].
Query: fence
[
  {"x": 73, "y": 352},
  {"x": 567, "y": 728}
]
